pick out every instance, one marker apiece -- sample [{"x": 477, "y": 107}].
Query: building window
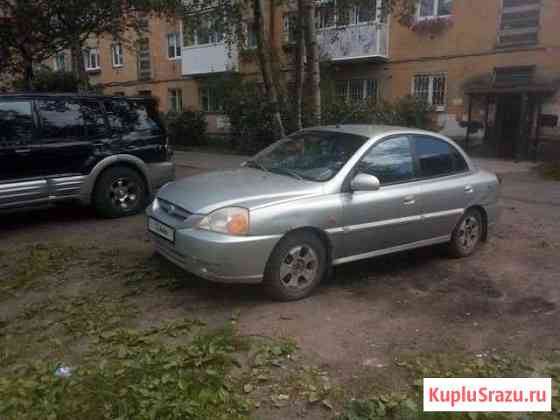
[
  {"x": 519, "y": 23},
  {"x": 290, "y": 28},
  {"x": 434, "y": 8},
  {"x": 206, "y": 33},
  {"x": 356, "y": 90},
  {"x": 431, "y": 89},
  {"x": 173, "y": 46},
  {"x": 209, "y": 99},
  {"x": 144, "y": 93},
  {"x": 60, "y": 62},
  {"x": 144, "y": 60},
  {"x": 117, "y": 55},
  {"x": 175, "y": 100},
  {"x": 251, "y": 36},
  {"x": 91, "y": 59},
  {"x": 325, "y": 16},
  {"x": 118, "y": 94},
  {"x": 330, "y": 14}
]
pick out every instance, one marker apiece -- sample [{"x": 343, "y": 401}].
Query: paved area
[{"x": 208, "y": 161}]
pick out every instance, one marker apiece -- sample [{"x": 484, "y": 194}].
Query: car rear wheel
[
  {"x": 467, "y": 234},
  {"x": 120, "y": 191},
  {"x": 296, "y": 267}
]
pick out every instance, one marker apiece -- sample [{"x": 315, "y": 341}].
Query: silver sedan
[{"x": 322, "y": 197}]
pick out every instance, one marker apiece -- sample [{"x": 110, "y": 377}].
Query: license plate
[{"x": 161, "y": 229}]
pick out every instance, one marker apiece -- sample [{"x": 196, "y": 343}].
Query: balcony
[
  {"x": 361, "y": 42},
  {"x": 208, "y": 59}
]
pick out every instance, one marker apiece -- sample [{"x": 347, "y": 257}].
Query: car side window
[
  {"x": 459, "y": 161},
  {"x": 16, "y": 123},
  {"x": 61, "y": 120},
  {"x": 94, "y": 118},
  {"x": 391, "y": 161},
  {"x": 435, "y": 157}
]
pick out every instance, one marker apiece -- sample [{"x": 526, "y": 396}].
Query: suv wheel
[
  {"x": 296, "y": 267},
  {"x": 119, "y": 192}
]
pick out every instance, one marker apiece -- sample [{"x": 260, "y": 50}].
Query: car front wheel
[
  {"x": 295, "y": 267},
  {"x": 120, "y": 191}
]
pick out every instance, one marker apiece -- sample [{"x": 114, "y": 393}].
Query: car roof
[
  {"x": 72, "y": 95},
  {"x": 367, "y": 130}
]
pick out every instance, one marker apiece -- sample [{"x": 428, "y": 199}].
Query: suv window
[
  {"x": 61, "y": 119},
  {"x": 16, "y": 123},
  {"x": 94, "y": 118},
  {"x": 390, "y": 161},
  {"x": 434, "y": 156},
  {"x": 126, "y": 117}
]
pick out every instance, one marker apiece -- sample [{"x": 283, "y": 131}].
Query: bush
[
  {"x": 47, "y": 80},
  {"x": 250, "y": 115},
  {"x": 407, "y": 111},
  {"x": 187, "y": 128}
]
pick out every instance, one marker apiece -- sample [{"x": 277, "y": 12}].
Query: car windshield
[{"x": 311, "y": 155}]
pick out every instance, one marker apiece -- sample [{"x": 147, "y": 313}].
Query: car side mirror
[{"x": 365, "y": 182}]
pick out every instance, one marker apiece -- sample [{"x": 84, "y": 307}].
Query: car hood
[{"x": 244, "y": 187}]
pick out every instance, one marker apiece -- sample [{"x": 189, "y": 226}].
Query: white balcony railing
[
  {"x": 209, "y": 58},
  {"x": 354, "y": 42}
]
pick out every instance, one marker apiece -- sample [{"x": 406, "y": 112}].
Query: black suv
[{"x": 111, "y": 152}]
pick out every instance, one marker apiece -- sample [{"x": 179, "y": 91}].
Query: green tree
[{"x": 34, "y": 30}]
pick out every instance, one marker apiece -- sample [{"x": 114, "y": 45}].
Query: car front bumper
[{"x": 217, "y": 257}]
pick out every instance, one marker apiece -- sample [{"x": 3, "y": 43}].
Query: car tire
[
  {"x": 296, "y": 267},
  {"x": 467, "y": 235},
  {"x": 119, "y": 192}
]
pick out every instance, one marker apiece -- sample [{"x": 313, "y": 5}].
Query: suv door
[
  {"x": 390, "y": 216},
  {"x": 20, "y": 183},
  {"x": 65, "y": 148},
  {"x": 445, "y": 190}
]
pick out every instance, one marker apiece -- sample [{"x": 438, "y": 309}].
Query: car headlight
[{"x": 230, "y": 220}]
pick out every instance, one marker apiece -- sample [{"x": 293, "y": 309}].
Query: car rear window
[{"x": 133, "y": 116}]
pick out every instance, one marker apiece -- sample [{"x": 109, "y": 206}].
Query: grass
[
  {"x": 131, "y": 375},
  {"x": 29, "y": 265},
  {"x": 407, "y": 404},
  {"x": 550, "y": 171},
  {"x": 168, "y": 369}
]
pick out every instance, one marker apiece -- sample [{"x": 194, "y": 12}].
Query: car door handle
[
  {"x": 409, "y": 200},
  {"x": 23, "y": 151},
  {"x": 469, "y": 189}
]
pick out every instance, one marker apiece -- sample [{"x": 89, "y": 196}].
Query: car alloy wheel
[
  {"x": 299, "y": 268},
  {"x": 124, "y": 193},
  {"x": 468, "y": 234}
]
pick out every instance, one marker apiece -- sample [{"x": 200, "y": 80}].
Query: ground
[{"x": 80, "y": 291}]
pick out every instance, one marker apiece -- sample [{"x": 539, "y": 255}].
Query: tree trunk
[
  {"x": 275, "y": 66},
  {"x": 28, "y": 74},
  {"x": 300, "y": 63},
  {"x": 313, "y": 64},
  {"x": 78, "y": 66},
  {"x": 265, "y": 65}
]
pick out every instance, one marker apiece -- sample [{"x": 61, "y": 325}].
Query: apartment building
[
  {"x": 149, "y": 65},
  {"x": 494, "y": 63},
  {"x": 491, "y": 65}
]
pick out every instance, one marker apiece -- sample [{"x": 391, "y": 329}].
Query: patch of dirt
[{"x": 504, "y": 297}]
